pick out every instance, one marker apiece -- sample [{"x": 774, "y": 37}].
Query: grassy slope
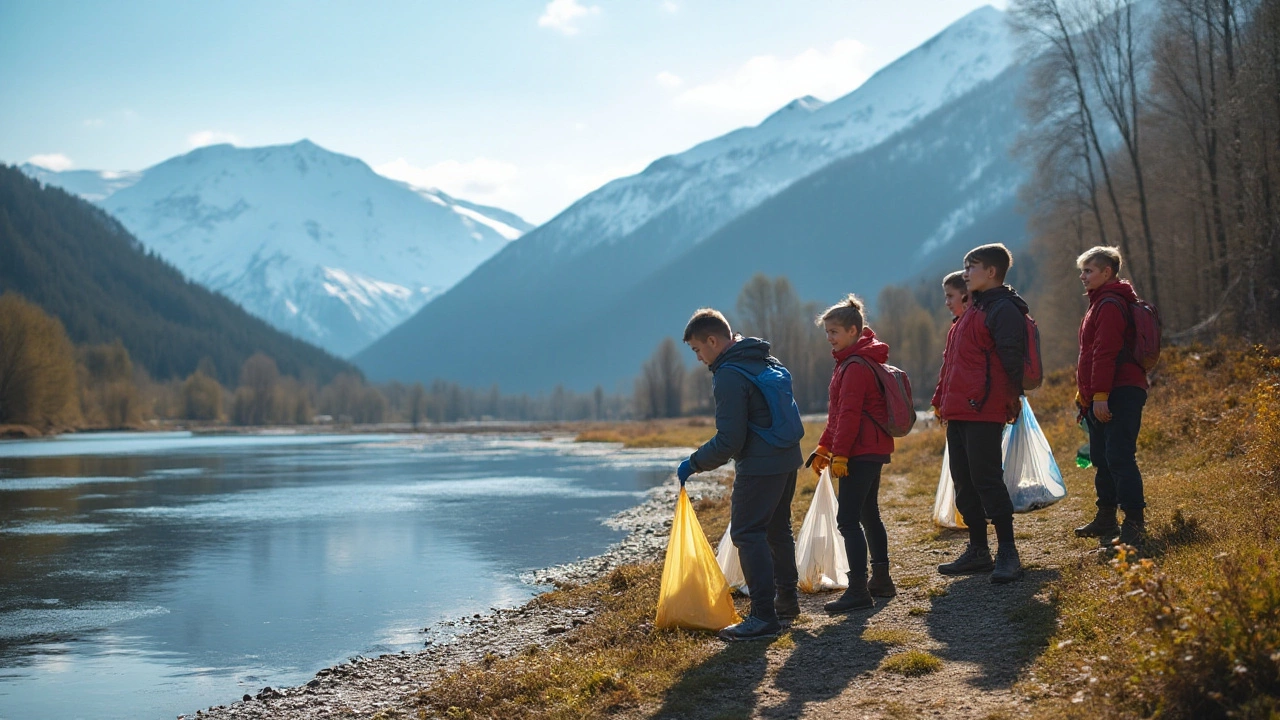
[{"x": 1210, "y": 451}]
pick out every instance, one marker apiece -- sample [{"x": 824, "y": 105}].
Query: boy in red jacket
[
  {"x": 855, "y": 447},
  {"x": 1111, "y": 389},
  {"x": 979, "y": 390}
]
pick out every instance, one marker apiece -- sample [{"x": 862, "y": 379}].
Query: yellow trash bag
[{"x": 694, "y": 594}]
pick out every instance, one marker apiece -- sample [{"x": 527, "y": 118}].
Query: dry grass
[
  {"x": 911, "y": 663},
  {"x": 677, "y": 432},
  {"x": 891, "y": 637},
  {"x": 1193, "y": 631}
]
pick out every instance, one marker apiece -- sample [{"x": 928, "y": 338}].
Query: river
[{"x": 145, "y": 575}]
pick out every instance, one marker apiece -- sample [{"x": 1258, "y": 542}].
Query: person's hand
[
  {"x": 819, "y": 460},
  {"x": 1012, "y": 410},
  {"x": 839, "y": 466},
  {"x": 684, "y": 471},
  {"x": 938, "y": 416},
  {"x": 1102, "y": 411}
]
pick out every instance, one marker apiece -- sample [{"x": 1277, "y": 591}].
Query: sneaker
[
  {"x": 880, "y": 584},
  {"x": 753, "y": 628},
  {"x": 1008, "y": 565},
  {"x": 855, "y": 598},
  {"x": 1102, "y": 525},
  {"x": 972, "y": 560},
  {"x": 787, "y": 605}
]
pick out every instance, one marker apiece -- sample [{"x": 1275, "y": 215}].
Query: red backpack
[
  {"x": 1143, "y": 317},
  {"x": 896, "y": 387}
]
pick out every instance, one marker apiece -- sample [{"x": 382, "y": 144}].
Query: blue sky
[{"x": 523, "y": 104}]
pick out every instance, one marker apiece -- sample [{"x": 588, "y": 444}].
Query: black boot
[
  {"x": 1134, "y": 530},
  {"x": 880, "y": 584},
  {"x": 972, "y": 560},
  {"x": 787, "y": 604},
  {"x": 1102, "y": 525},
  {"x": 1008, "y": 565},
  {"x": 855, "y": 598}
]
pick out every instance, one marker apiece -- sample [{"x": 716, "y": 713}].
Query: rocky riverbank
[{"x": 386, "y": 685}]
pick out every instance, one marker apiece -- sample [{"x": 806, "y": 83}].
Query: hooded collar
[
  {"x": 743, "y": 350},
  {"x": 985, "y": 298},
  {"x": 867, "y": 345},
  {"x": 1120, "y": 289}
]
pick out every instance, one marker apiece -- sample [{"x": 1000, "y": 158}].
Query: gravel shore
[{"x": 386, "y": 684}]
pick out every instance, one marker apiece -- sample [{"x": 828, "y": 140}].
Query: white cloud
[
  {"x": 563, "y": 15},
  {"x": 669, "y": 80},
  {"x": 56, "y": 162},
  {"x": 480, "y": 180},
  {"x": 211, "y": 137},
  {"x": 94, "y": 122},
  {"x": 767, "y": 82},
  {"x": 670, "y": 7}
]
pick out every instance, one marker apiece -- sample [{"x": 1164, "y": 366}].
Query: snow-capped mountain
[
  {"x": 625, "y": 245},
  {"x": 718, "y": 179},
  {"x": 312, "y": 241}
]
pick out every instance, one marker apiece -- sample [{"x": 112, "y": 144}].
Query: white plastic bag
[
  {"x": 820, "y": 555},
  {"x": 727, "y": 557},
  {"x": 1030, "y": 471},
  {"x": 945, "y": 513}
]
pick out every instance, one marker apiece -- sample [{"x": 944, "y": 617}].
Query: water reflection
[{"x": 188, "y": 569}]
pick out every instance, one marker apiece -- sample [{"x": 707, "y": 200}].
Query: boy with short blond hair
[
  {"x": 1111, "y": 390},
  {"x": 979, "y": 390},
  {"x": 759, "y": 435}
]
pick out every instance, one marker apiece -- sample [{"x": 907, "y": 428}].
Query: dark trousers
[
  {"x": 1113, "y": 448},
  {"x": 977, "y": 470},
  {"x": 761, "y": 519},
  {"x": 858, "y": 517}
]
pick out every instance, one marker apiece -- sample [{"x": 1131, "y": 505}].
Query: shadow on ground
[
  {"x": 824, "y": 662},
  {"x": 1000, "y": 629}
]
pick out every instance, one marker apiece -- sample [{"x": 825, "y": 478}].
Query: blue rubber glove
[{"x": 684, "y": 471}]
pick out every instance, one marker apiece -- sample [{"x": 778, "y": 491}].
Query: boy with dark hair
[
  {"x": 1111, "y": 390},
  {"x": 765, "y": 473},
  {"x": 856, "y": 448},
  {"x": 979, "y": 390}
]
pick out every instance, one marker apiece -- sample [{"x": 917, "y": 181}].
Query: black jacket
[
  {"x": 738, "y": 402},
  {"x": 1008, "y": 328}
]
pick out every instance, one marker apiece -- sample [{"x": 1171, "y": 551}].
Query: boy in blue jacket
[{"x": 765, "y": 478}]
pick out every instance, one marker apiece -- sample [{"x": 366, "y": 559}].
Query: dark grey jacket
[
  {"x": 737, "y": 402},
  {"x": 1008, "y": 328}
]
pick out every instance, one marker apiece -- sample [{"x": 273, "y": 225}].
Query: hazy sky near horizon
[{"x": 527, "y": 104}]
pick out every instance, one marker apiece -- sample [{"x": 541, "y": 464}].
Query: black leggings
[{"x": 859, "y": 517}]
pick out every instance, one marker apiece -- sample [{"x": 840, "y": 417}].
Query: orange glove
[
  {"x": 839, "y": 466},
  {"x": 819, "y": 460}
]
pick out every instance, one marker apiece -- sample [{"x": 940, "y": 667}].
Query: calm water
[{"x": 147, "y": 575}]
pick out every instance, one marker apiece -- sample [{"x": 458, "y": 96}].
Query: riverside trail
[{"x": 984, "y": 636}]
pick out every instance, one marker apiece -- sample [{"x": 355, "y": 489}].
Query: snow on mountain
[
  {"x": 718, "y": 179},
  {"x": 92, "y": 185},
  {"x": 312, "y": 241}
]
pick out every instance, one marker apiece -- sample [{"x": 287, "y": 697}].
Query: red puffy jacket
[
  {"x": 937, "y": 389},
  {"x": 853, "y": 399},
  {"x": 986, "y": 344},
  {"x": 1104, "y": 334}
]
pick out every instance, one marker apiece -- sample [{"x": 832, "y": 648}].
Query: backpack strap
[
  {"x": 1126, "y": 354},
  {"x": 883, "y": 391}
]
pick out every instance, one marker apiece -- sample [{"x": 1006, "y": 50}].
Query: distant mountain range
[
  {"x": 314, "y": 242},
  {"x": 870, "y": 189},
  {"x": 82, "y": 266}
]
